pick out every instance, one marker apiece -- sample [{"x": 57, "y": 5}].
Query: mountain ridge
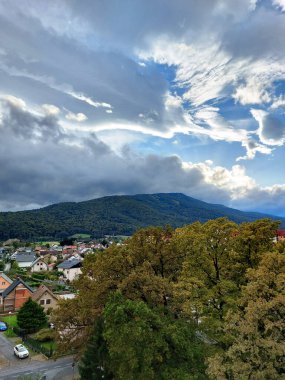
[{"x": 116, "y": 214}]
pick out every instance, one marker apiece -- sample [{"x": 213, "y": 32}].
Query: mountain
[{"x": 119, "y": 215}]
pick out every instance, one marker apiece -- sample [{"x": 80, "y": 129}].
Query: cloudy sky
[{"x": 103, "y": 97}]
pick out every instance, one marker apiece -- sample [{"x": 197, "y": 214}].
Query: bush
[
  {"x": 45, "y": 335},
  {"x": 31, "y": 317}
]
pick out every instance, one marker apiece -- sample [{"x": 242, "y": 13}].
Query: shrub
[{"x": 45, "y": 335}]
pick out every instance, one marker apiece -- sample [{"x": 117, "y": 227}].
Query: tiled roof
[
  {"x": 40, "y": 291},
  {"x": 14, "y": 285},
  {"x": 67, "y": 264}
]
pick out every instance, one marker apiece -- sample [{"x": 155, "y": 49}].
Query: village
[{"x": 44, "y": 272}]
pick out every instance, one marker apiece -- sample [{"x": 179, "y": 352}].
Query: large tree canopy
[{"x": 167, "y": 296}]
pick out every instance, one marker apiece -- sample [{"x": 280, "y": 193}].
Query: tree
[
  {"x": 14, "y": 269},
  {"x": 258, "y": 330},
  {"x": 205, "y": 290},
  {"x": 94, "y": 363},
  {"x": 31, "y": 317},
  {"x": 252, "y": 241},
  {"x": 145, "y": 343}
]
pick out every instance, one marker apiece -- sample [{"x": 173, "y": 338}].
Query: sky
[{"x": 113, "y": 97}]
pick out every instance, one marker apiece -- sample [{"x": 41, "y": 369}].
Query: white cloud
[
  {"x": 279, "y": 101},
  {"x": 253, "y": 92},
  {"x": 50, "y": 109},
  {"x": 78, "y": 117},
  {"x": 279, "y": 4},
  {"x": 15, "y": 101}
]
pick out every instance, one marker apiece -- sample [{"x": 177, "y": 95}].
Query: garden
[{"x": 31, "y": 325}]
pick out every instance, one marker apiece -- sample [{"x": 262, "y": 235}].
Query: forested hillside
[{"x": 119, "y": 215}]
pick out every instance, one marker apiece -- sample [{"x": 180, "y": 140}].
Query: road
[{"x": 61, "y": 369}]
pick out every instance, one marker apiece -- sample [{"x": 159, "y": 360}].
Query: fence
[
  {"x": 33, "y": 343},
  {"x": 38, "y": 347}
]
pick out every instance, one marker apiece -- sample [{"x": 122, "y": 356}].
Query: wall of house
[
  {"x": 39, "y": 266},
  {"x": 4, "y": 284},
  {"x": 25, "y": 264},
  {"x": 15, "y": 300},
  {"x": 47, "y": 301},
  {"x": 72, "y": 273}
]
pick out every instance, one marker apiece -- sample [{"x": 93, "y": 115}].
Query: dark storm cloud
[
  {"x": 66, "y": 167},
  {"x": 27, "y": 125}
]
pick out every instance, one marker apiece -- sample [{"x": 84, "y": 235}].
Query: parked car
[
  {"x": 3, "y": 326},
  {"x": 21, "y": 351}
]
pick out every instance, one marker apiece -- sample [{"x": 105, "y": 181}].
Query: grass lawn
[
  {"x": 49, "y": 345},
  {"x": 11, "y": 321}
]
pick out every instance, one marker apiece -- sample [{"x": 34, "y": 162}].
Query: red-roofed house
[{"x": 280, "y": 235}]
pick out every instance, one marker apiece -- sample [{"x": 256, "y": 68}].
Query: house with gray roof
[
  {"x": 25, "y": 260},
  {"x": 70, "y": 269}
]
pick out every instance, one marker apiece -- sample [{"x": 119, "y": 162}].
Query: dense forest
[
  {"x": 118, "y": 215},
  {"x": 205, "y": 301}
]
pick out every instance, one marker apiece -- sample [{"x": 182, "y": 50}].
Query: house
[
  {"x": 39, "y": 265},
  {"x": 5, "y": 282},
  {"x": 66, "y": 295},
  {"x": 280, "y": 235},
  {"x": 45, "y": 297},
  {"x": 15, "y": 296},
  {"x": 70, "y": 268},
  {"x": 24, "y": 260}
]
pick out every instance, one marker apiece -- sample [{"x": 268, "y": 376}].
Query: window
[
  {"x": 42, "y": 302},
  {"x": 3, "y": 283},
  {"x": 48, "y": 301}
]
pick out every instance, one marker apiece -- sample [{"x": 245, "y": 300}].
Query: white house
[
  {"x": 39, "y": 265},
  {"x": 70, "y": 268},
  {"x": 25, "y": 260}
]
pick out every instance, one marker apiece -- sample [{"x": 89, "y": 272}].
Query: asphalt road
[
  {"x": 61, "y": 369},
  {"x": 6, "y": 349}
]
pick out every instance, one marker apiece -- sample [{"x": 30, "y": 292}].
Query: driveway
[{"x": 6, "y": 351}]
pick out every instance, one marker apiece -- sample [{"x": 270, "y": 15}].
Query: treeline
[
  {"x": 206, "y": 301},
  {"x": 116, "y": 215}
]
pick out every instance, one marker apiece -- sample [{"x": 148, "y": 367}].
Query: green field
[{"x": 80, "y": 236}]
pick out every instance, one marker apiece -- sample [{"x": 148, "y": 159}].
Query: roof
[
  {"x": 40, "y": 291},
  {"x": 22, "y": 257},
  {"x": 43, "y": 259},
  {"x": 5, "y": 277},
  {"x": 14, "y": 285},
  {"x": 68, "y": 264},
  {"x": 281, "y": 233}
]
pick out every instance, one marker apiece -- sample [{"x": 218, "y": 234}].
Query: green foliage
[
  {"x": 257, "y": 329},
  {"x": 95, "y": 362},
  {"x": 45, "y": 335},
  {"x": 119, "y": 215},
  {"x": 167, "y": 302},
  {"x": 145, "y": 343},
  {"x": 31, "y": 317}
]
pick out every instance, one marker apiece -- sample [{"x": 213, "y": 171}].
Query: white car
[{"x": 21, "y": 351}]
